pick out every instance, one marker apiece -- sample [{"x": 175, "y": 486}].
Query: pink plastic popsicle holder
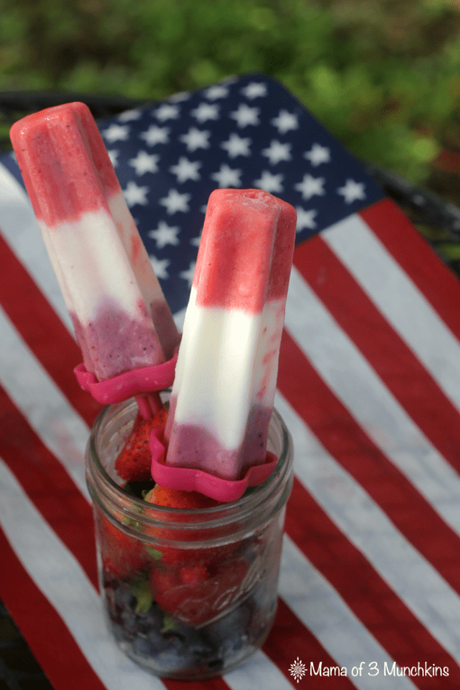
[
  {"x": 143, "y": 384},
  {"x": 191, "y": 479}
]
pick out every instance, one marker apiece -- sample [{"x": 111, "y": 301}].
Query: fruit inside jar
[{"x": 189, "y": 586}]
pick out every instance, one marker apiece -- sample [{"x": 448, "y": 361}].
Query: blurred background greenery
[{"x": 382, "y": 75}]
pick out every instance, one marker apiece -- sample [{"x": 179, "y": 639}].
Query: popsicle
[
  {"x": 121, "y": 319},
  {"x": 223, "y": 392}
]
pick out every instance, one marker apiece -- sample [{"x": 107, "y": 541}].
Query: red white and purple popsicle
[
  {"x": 121, "y": 319},
  {"x": 223, "y": 392}
]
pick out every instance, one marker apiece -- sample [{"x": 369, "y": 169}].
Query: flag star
[
  {"x": 160, "y": 267},
  {"x": 216, "y": 91},
  {"x": 155, "y": 135},
  {"x": 188, "y": 274},
  {"x": 311, "y": 186},
  {"x": 113, "y": 155},
  {"x": 128, "y": 115},
  {"x": 164, "y": 234},
  {"x": 277, "y": 152},
  {"x": 305, "y": 219},
  {"x": 186, "y": 170},
  {"x": 270, "y": 183},
  {"x": 196, "y": 139},
  {"x": 318, "y": 154},
  {"x": 144, "y": 162},
  {"x": 206, "y": 111},
  {"x": 352, "y": 191},
  {"x": 175, "y": 202},
  {"x": 116, "y": 133},
  {"x": 179, "y": 97},
  {"x": 254, "y": 90},
  {"x": 227, "y": 177},
  {"x": 237, "y": 146},
  {"x": 245, "y": 115},
  {"x": 167, "y": 111},
  {"x": 285, "y": 121},
  {"x": 135, "y": 194},
  {"x": 195, "y": 241}
]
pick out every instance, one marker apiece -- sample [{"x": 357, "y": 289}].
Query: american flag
[{"x": 369, "y": 386}]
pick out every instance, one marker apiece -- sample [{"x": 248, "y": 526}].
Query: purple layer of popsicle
[
  {"x": 195, "y": 446},
  {"x": 115, "y": 342}
]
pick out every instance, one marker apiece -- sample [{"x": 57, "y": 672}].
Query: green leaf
[
  {"x": 169, "y": 623},
  {"x": 141, "y": 590},
  {"x": 154, "y": 553}
]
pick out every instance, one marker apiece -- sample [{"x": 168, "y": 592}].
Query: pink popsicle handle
[{"x": 148, "y": 404}]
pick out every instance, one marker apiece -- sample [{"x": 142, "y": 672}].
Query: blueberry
[
  {"x": 167, "y": 646},
  {"x": 228, "y": 634},
  {"x": 151, "y": 620},
  {"x": 141, "y": 646}
]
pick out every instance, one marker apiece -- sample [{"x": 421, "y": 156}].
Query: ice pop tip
[
  {"x": 59, "y": 150},
  {"x": 61, "y": 112},
  {"x": 245, "y": 279},
  {"x": 63, "y": 117}
]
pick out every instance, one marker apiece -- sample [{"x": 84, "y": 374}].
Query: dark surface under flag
[{"x": 369, "y": 385}]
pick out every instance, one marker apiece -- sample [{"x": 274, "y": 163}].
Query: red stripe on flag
[
  {"x": 44, "y": 630},
  {"x": 48, "y": 486},
  {"x": 43, "y": 331},
  {"x": 395, "y": 363},
  {"x": 344, "y": 439},
  {"x": 382, "y": 612},
  {"x": 415, "y": 256},
  {"x": 290, "y": 640}
]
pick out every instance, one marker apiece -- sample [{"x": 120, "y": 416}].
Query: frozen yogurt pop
[
  {"x": 121, "y": 319},
  {"x": 223, "y": 392}
]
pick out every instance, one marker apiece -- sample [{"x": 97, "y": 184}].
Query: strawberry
[
  {"x": 121, "y": 554},
  {"x": 177, "y": 498},
  {"x": 134, "y": 461},
  {"x": 192, "y": 585},
  {"x": 195, "y": 594},
  {"x": 185, "y": 500},
  {"x": 193, "y": 573}
]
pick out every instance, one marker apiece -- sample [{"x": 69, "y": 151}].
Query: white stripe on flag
[
  {"x": 61, "y": 579},
  {"x": 360, "y": 389},
  {"x": 47, "y": 410},
  {"x": 258, "y": 672},
  {"x": 321, "y": 609},
  {"x": 20, "y": 230},
  {"x": 366, "y": 526},
  {"x": 398, "y": 298}
]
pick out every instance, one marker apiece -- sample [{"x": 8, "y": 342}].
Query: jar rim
[{"x": 224, "y": 512}]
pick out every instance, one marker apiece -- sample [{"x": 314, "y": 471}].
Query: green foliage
[{"x": 382, "y": 75}]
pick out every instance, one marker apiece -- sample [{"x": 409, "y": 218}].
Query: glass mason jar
[{"x": 187, "y": 594}]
